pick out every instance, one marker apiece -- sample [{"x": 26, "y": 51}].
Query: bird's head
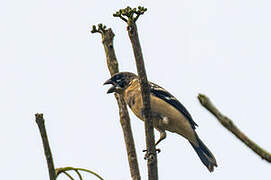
[{"x": 120, "y": 81}]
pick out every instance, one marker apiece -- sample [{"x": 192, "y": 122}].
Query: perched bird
[{"x": 167, "y": 112}]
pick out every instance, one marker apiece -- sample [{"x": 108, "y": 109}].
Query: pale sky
[{"x": 50, "y": 63}]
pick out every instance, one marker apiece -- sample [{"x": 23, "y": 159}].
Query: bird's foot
[{"x": 148, "y": 155}]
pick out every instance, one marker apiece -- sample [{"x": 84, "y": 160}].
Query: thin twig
[
  {"x": 79, "y": 175},
  {"x": 46, "y": 146},
  {"x": 112, "y": 64},
  {"x": 63, "y": 170},
  {"x": 67, "y": 174},
  {"x": 228, "y": 124},
  {"x": 145, "y": 89}
]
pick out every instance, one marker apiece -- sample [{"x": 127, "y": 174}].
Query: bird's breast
[
  {"x": 175, "y": 120},
  {"x": 134, "y": 99}
]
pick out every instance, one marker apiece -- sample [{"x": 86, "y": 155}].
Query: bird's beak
[
  {"x": 113, "y": 88},
  {"x": 109, "y": 81}
]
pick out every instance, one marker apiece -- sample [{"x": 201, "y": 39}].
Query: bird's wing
[{"x": 166, "y": 96}]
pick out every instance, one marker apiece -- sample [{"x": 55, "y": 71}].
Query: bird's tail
[{"x": 205, "y": 155}]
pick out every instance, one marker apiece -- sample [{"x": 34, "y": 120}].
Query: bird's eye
[{"x": 117, "y": 77}]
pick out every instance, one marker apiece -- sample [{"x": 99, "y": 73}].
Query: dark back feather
[{"x": 166, "y": 96}]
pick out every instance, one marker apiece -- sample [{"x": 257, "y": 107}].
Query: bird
[{"x": 167, "y": 113}]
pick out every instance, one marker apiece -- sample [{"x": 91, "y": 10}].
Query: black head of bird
[{"x": 120, "y": 81}]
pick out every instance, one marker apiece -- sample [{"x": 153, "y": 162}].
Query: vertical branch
[
  {"x": 145, "y": 89},
  {"x": 112, "y": 63},
  {"x": 145, "y": 92},
  {"x": 46, "y": 146}
]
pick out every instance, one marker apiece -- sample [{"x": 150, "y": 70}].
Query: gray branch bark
[
  {"x": 46, "y": 146},
  {"x": 145, "y": 91},
  {"x": 228, "y": 124}
]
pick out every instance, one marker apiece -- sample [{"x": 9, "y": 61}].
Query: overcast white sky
[{"x": 50, "y": 63}]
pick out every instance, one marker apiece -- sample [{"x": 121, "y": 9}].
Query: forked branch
[
  {"x": 53, "y": 173},
  {"x": 77, "y": 171}
]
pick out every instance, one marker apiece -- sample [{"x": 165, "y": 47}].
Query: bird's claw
[{"x": 148, "y": 155}]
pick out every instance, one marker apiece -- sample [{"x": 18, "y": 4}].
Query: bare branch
[
  {"x": 145, "y": 89},
  {"x": 228, "y": 124},
  {"x": 112, "y": 64},
  {"x": 46, "y": 146}
]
